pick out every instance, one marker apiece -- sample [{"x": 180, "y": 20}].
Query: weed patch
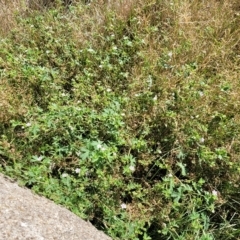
[{"x": 127, "y": 114}]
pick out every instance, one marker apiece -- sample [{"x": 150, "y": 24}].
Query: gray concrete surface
[{"x": 27, "y": 216}]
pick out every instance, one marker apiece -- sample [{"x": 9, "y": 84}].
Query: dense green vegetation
[{"x": 126, "y": 113}]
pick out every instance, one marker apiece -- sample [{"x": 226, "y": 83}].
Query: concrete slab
[{"x": 25, "y": 215}]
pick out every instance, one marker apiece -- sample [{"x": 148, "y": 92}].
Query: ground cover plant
[{"x": 126, "y": 112}]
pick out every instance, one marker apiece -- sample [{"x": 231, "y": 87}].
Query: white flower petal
[
  {"x": 132, "y": 168},
  {"x": 123, "y": 206},
  {"x": 64, "y": 175},
  {"x": 215, "y": 193}
]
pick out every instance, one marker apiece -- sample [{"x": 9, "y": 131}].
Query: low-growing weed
[{"x": 128, "y": 118}]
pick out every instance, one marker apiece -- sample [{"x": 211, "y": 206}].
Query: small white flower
[
  {"x": 155, "y": 98},
  {"x": 123, "y": 206},
  {"x": 202, "y": 140},
  {"x": 28, "y": 124},
  {"x": 132, "y": 168},
  {"x": 77, "y": 170},
  {"x": 170, "y": 54},
  {"x": 214, "y": 193},
  {"x": 200, "y": 93},
  {"x": 99, "y": 146},
  {"x": 64, "y": 175},
  {"x": 123, "y": 114},
  {"x": 109, "y": 90},
  {"x": 40, "y": 158},
  {"x": 170, "y": 175},
  {"x": 136, "y": 95}
]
